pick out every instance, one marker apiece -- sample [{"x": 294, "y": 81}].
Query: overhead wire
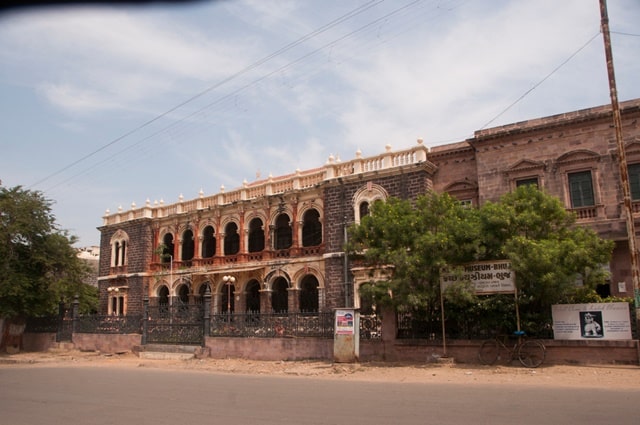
[
  {"x": 235, "y": 92},
  {"x": 535, "y": 86},
  {"x": 254, "y": 65}
]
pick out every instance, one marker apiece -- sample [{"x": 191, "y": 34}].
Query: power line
[
  {"x": 343, "y": 18},
  {"x": 235, "y": 92},
  {"x": 542, "y": 81}
]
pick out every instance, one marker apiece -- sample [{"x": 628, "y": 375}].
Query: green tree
[
  {"x": 549, "y": 252},
  {"x": 416, "y": 240},
  {"x": 38, "y": 264}
]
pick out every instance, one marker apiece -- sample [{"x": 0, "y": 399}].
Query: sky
[{"x": 102, "y": 106}]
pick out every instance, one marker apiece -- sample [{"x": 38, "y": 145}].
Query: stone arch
[
  {"x": 365, "y": 196},
  {"x": 119, "y": 248},
  {"x": 252, "y": 295},
  {"x": 309, "y": 295}
]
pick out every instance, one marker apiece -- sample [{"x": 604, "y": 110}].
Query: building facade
[{"x": 276, "y": 245}]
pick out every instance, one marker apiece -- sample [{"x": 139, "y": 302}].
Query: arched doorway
[
  {"x": 253, "y": 297},
  {"x": 309, "y": 294},
  {"x": 279, "y": 296}
]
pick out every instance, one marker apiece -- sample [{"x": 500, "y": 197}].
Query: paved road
[{"x": 85, "y": 395}]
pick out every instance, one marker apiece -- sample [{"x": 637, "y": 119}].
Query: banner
[
  {"x": 591, "y": 321},
  {"x": 487, "y": 277}
]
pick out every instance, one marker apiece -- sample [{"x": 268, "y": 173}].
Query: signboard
[
  {"x": 591, "y": 321},
  {"x": 487, "y": 277},
  {"x": 345, "y": 322}
]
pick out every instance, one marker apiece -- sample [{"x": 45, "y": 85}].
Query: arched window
[
  {"x": 253, "y": 297},
  {"x": 279, "y": 296},
  {"x": 309, "y": 294},
  {"x": 119, "y": 248},
  {"x": 311, "y": 228},
  {"x": 208, "y": 242},
  {"x": 365, "y": 197},
  {"x": 163, "y": 295},
  {"x": 283, "y": 233},
  {"x": 167, "y": 248},
  {"x": 364, "y": 209},
  {"x": 231, "y": 239},
  {"x": 183, "y": 294},
  {"x": 187, "y": 245},
  {"x": 256, "y": 235}
]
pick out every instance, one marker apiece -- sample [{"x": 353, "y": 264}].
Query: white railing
[{"x": 300, "y": 180}]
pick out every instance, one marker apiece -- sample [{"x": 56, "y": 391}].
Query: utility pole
[{"x": 624, "y": 175}]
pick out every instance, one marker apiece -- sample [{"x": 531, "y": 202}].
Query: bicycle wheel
[
  {"x": 489, "y": 351},
  {"x": 531, "y": 353}
]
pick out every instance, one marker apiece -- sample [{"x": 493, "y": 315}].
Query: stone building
[{"x": 277, "y": 244}]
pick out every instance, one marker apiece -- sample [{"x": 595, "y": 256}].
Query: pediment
[
  {"x": 525, "y": 164},
  {"x": 461, "y": 185},
  {"x": 582, "y": 155}
]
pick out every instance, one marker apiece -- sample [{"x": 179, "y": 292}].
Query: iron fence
[
  {"x": 175, "y": 324},
  {"x": 97, "y": 324}
]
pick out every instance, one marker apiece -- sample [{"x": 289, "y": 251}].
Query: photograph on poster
[{"x": 591, "y": 324}]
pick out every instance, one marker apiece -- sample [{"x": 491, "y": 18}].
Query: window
[
  {"x": 311, "y": 228},
  {"x": 283, "y": 233},
  {"x": 256, "y": 235},
  {"x": 208, "y": 243},
  {"x": 364, "y": 209},
  {"x": 231, "y": 239},
  {"x": 167, "y": 249},
  {"x": 466, "y": 203},
  {"x": 633, "y": 171},
  {"x": 187, "y": 245},
  {"x": 533, "y": 181},
  {"x": 119, "y": 248},
  {"x": 581, "y": 189}
]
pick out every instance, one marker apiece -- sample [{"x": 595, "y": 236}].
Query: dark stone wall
[
  {"x": 139, "y": 255},
  {"x": 339, "y": 211}
]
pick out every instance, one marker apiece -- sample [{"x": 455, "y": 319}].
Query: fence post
[
  {"x": 60, "y": 320},
  {"x": 145, "y": 319},
  {"x": 207, "y": 314},
  {"x": 74, "y": 314}
]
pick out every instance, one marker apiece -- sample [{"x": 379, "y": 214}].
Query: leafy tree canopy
[
  {"x": 548, "y": 251},
  {"x": 38, "y": 264}
]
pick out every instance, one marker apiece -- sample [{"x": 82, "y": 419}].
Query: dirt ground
[{"x": 610, "y": 376}]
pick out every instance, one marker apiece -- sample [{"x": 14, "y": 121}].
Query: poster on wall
[
  {"x": 487, "y": 277},
  {"x": 591, "y": 321},
  {"x": 345, "y": 322}
]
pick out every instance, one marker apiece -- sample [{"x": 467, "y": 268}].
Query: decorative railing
[
  {"x": 333, "y": 169},
  {"x": 586, "y": 213},
  {"x": 95, "y": 324},
  {"x": 272, "y": 325}
]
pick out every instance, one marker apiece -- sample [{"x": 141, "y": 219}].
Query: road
[{"x": 86, "y": 395}]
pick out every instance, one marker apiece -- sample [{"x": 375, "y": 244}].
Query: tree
[
  {"x": 416, "y": 241},
  {"x": 548, "y": 252},
  {"x": 38, "y": 264}
]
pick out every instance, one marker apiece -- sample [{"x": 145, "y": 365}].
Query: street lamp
[{"x": 229, "y": 280}]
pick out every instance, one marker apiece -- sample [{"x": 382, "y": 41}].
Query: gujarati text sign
[{"x": 487, "y": 277}]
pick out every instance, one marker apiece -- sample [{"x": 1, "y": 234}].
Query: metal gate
[{"x": 175, "y": 324}]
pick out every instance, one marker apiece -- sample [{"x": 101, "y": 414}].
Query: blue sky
[{"x": 103, "y": 106}]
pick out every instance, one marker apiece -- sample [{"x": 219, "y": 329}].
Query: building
[{"x": 276, "y": 244}]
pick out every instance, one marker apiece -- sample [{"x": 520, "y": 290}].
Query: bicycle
[{"x": 530, "y": 352}]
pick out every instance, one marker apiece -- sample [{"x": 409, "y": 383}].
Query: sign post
[{"x": 346, "y": 338}]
